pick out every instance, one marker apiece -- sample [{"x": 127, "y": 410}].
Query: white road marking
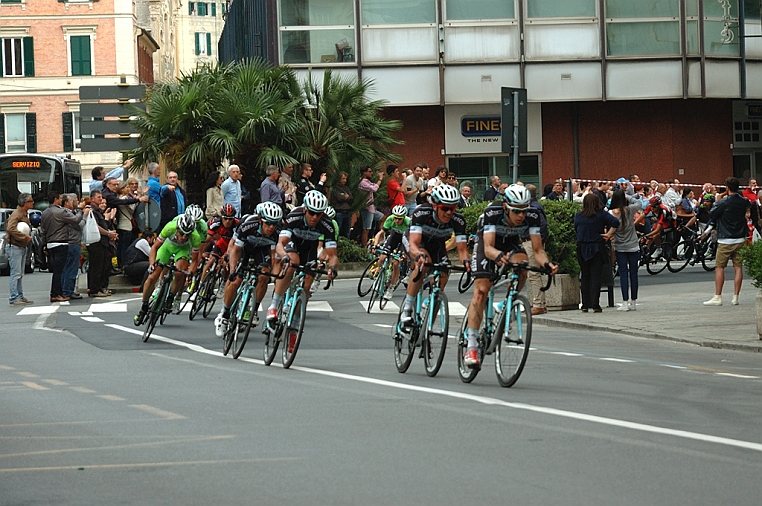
[
  {"x": 621, "y": 360},
  {"x": 37, "y": 310},
  {"x": 736, "y": 375},
  {"x": 383, "y": 325},
  {"x": 612, "y": 422},
  {"x": 111, "y": 307},
  {"x": 391, "y": 308},
  {"x": 319, "y": 306},
  {"x": 93, "y": 319},
  {"x": 456, "y": 308},
  {"x": 83, "y": 313},
  {"x": 565, "y": 353},
  {"x": 156, "y": 411}
]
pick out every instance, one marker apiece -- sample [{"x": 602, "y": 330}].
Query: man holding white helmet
[
  {"x": 499, "y": 242},
  {"x": 17, "y": 241}
]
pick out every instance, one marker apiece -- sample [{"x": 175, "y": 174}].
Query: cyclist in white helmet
[
  {"x": 396, "y": 224},
  {"x": 498, "y": 242},
  {"x": 430, "y": 227},
  {"x": 302, "y": 230}
]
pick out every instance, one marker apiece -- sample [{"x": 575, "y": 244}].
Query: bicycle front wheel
[
  {"x": 513, "y": 345},
  {"x": 366, "y": 280},
  {"x": 216, "y": 286},
  {"x": 681, "y": 255},
  {"x": 386, "y": 285},
  {"x": 154, "y": 312},
  {"x": 467, "y": 374},
  {"x": 376, "y": 291},
  {"x": 655, "y": 265},
  {"x": 404, "y": 343},
  {"x": 435, "y": 334},
  {"x": 244, "y": 324},
  {"x": 202, "y": 296},
  {"x": 709, "y": 260},
  {"x": 187, "y": 294},
  {"x": 232, "y": 330},
  {"x": 294, "y": 329}
]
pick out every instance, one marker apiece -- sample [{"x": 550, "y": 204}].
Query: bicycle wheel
[
  {"x": 215, "y": 287},
  {"x": 154, "y": 312},
  {"x": 202, "y": 295},
  {"x": 404, "y": 344},
  {"x": 232, "y": 330},
  {"x": 467, "y": 374},
  {"x": 681, "y": 255},
  {"x": 386, "y": 285},
  {"x": 435, "y": 331},
  {"x": 244, "y": 324},
  {"x": 294, "y": 329},
  {"x": 656, "y": 264},
  {"x": 466, "y": 280},
  {"x": 378, "y": 284},
  {"x": 272, "y": 331},
  {"x": 187, "y": 294},
  {"x": 366, "y": 280},
  {"x": 710, "y": 257},
  {"x": 513, "y": 345}
]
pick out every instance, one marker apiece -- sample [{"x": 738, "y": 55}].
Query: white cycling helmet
[
  {"x": 315, "y": 201},
  {"x": 186, "y": 224},
  {"x": 330, "y": 212},
  {"x": 517, "y": 195},
  {"x": 258, "y": 209},
  {"x": 270, "y": 212},
  {"x": 445, "y": 194},
  {"x": 195, "y": 212},
  {"x": 399, "y": 211}
]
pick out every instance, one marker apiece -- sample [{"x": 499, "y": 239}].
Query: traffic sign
[
  {"x": 120, "y": 92},
  {"x": 148, "y": 215},
  {"x": 109, "y": 144}
]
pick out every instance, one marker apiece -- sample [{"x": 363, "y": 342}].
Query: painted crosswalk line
[
  {"x": 37, "y": 310},
  {"x": 112, "y": 307},
  {"x": 391, "y": 308}
]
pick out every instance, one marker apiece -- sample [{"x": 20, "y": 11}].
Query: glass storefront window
[
  {"x": 643, "y": 39},
  {"x": 457, "y": 10},
  {"x": 642, "y": 8},
  {"x": 713, "y": 39},
  {"x": 561, "y": 8},
  {"x": 318, "y": 46},
  {"x": 316, "y": 12},
  {"x": 398, "y": 12}
]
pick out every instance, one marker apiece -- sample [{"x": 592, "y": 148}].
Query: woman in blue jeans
[{"x": 626, "y": 247}]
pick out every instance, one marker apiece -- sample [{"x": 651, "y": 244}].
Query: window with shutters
[
  {"x": 81, "y": 55},
  {"x": 15, "y": 133},
  {"x": 17, "y": 57},
  {"x": 202, "y": 9},
  {"x": 203, "y": 44}
]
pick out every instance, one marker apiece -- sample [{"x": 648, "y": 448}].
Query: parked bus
[{"x": 37, "y": 175}]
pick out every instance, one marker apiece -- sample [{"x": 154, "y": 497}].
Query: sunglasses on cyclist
[
  {"x": 228, "y": 218},
  {"x": 447, "y": 209},
  {"x": 518, "y": 210},
  {"x": 311, "y": 213}
]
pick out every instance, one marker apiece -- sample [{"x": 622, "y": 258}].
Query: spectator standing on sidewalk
[
  {"x": 98, "y": 175},
  {"x": 154, "y": 183},
  {"x": 99, "y": 252},
  {"x": 269, "y": 191},
  {"x": 71, "y": 203},
  {"x": 590, "y": 225},
  {"x": 173, "y": 200},
  {"x": 535, "y": 279},
  {"x": 626, "y": 246},
  {"x": 231, "y": 190},
  {"x": 214, "y": 200},
  {"x": 17, "y": 242},
  {"x": 368, "y": 190},
  {"x": 729, "y": 215},
  {"x": 414, "y": 185},
  {"x": 341, "y": 200},
  {"x": 54, "y": 232}
]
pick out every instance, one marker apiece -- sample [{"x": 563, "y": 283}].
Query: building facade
[
  {"x": 49, "y": 49},
  {"x": 661, "y": 88}
]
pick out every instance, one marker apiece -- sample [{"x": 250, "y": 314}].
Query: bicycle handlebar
[
  {"x": 171, "y": 265},
  {"x": 524, "y": 265},
  {"x": 439, "y": 266}
]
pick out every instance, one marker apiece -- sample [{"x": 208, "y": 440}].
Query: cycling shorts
[
  {"x": 255, "y": 258},
  {"x": 436, "y": 250},
  {"x": 483, "y": 267},
  {"x": 395, "y": 242},
  {"x": 168, "y": 249},
  {"x": 306, "y": 254}
]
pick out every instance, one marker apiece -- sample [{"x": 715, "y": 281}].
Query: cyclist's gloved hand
[
  {"x": 232, "y": 277},
  {"x": 285, "y": 261},
  {"x": 467, "y": 265},
  {"x": 150, "y": 268}
]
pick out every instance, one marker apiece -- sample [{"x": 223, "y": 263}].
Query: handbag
[{"x": 91, "y": 234}]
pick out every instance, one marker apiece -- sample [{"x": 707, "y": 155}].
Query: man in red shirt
[{"x": 394, "y": 186}]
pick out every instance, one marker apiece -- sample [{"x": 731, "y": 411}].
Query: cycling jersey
[
  {"x": 508, "y": 238},
  {"x": 171, "y": 246},
  {"x": 216, "y": 227},
  {"x": 304, "y": 239},
  {"x": 666, "y": 218},
  {"x": 424, "y": 222},
  {"x": 255, "y": 246},
  {"x": 395, "y": 234},
  {"x": 390, "y": 224}
]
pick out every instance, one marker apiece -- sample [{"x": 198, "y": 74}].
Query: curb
[{"x": 550, "y": 322}]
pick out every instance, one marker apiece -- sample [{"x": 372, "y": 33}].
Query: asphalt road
[{"x": 92, "y": 415}]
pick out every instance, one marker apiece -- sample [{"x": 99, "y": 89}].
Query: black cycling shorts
[
  {"x": 481, "y": 266},
  {"x": 307, "y": 254},
  {"x": 436, "y": 250}
]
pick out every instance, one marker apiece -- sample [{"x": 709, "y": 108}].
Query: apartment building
[
  {"x": 658, "y": 88},
  {"x": 49, "y": 49}
]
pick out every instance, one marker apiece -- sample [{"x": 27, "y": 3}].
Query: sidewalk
[{"x": 673, "y": 309}]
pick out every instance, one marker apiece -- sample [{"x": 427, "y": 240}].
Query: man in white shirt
[
  {"x": 231, "y": 189},
  {"x": 413, "y": 185},
  {"x": 672, "y": 197}
]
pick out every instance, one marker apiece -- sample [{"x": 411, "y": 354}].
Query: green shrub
[
  {"x": 350, "y": 251},
  {"x": 471, "y": 214},
  {"x": 752, "y": 262},
  {"x": 561, "y": 245}
]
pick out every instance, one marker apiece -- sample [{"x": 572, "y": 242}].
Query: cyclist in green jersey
[
  {"x": 179, "y": 239},
  {"x": 195, "y": 212},
  {"x": 396, "y": 225}
]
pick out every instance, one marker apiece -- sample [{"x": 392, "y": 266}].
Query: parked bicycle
[
  {"x": 430, "y": 325},
  {"x": 289, "y": 324},
  {"x": 510, "y": 342},
  {"x": 243, "y": 310}
]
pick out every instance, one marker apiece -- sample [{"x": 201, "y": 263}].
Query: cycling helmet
[
  {"x": 270, "y": 212},
  {"x": 258, "y": 208},
  {"x": 655, "y": 201},
  {"x": 399, "y": 211},
  {"x": 315, "y": 201},
  {"x": 445, "y": 194},
  {"x": 330, "y": 212},
  {"x": 228, "y": 211},
  {"x": 194, "y": 212},
  {"x": 709, "y": 197},
  {"x": 517, "y": 195},
  {"x": 186, "y": 224}
]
